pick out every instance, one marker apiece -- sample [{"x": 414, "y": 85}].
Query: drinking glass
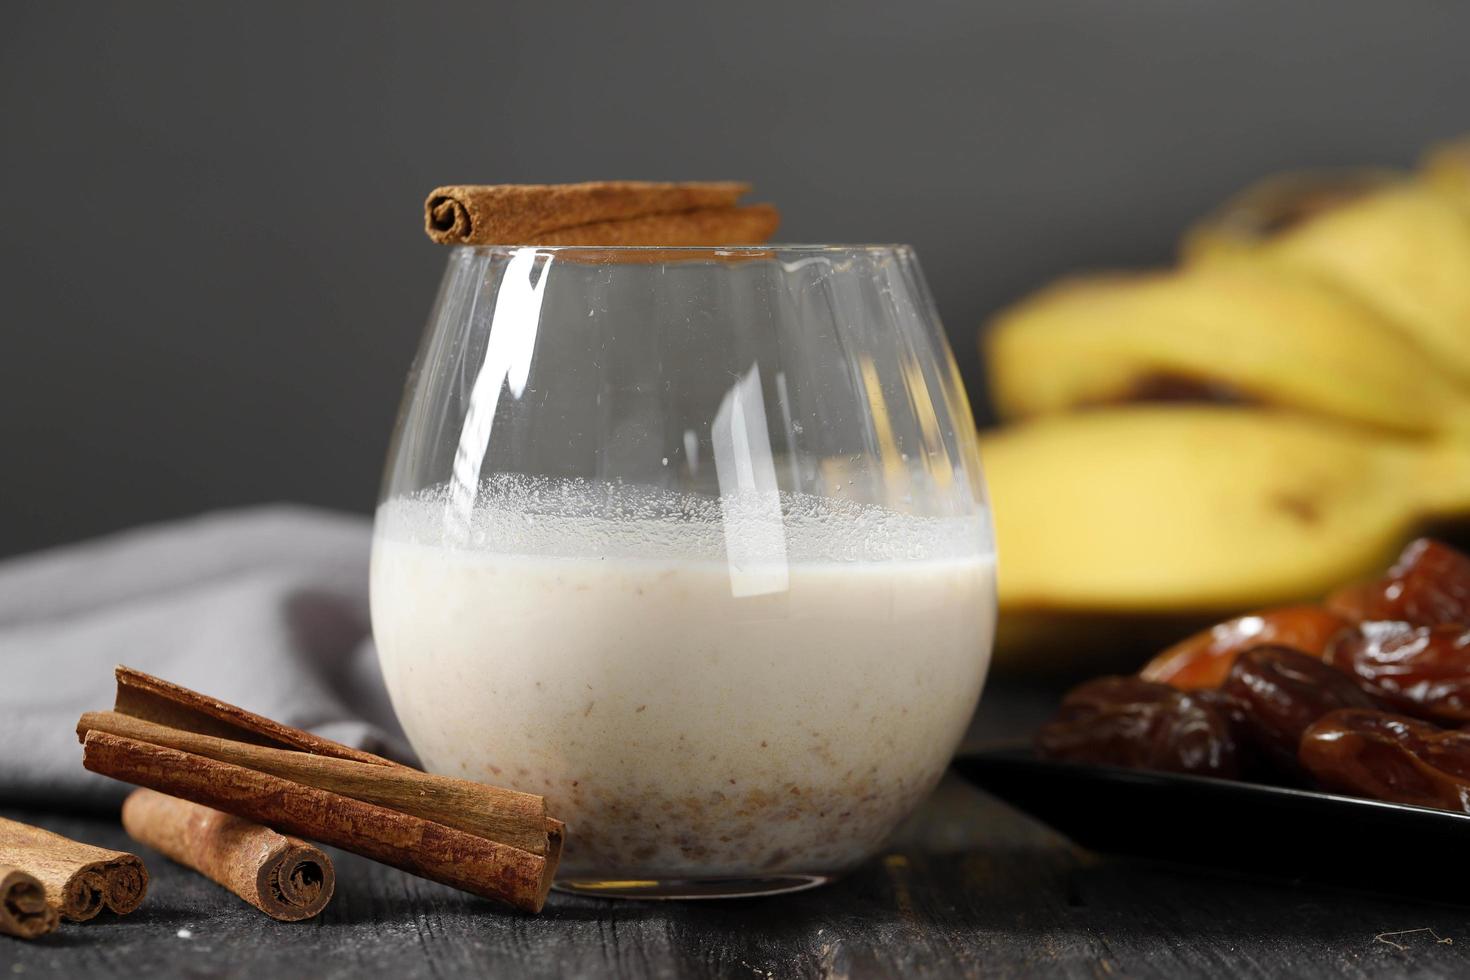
[{"x": 694, "y": 543}]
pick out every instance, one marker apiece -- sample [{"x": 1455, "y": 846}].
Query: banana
[
  {"x": 1402, "y": 249},
  {"x": 1337, "y": 308},
  {"x": 1446, "y": 168},
  {"x": 1191, "y": 509},
  {"x": 1274, "y": 204},
  {"x": 1228, "y": 328}
]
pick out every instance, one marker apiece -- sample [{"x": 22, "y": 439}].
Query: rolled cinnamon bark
[
  {"x": 286, "y": 878},
  {"x": 708, "y": 226},
  {"x": 490, "y": 841},
  {"x": 23, "y": 909},
  {"x": 422, "y": 847},
  {"x": 600, "y": 213},
  {"x": 517, "y": 819},
  {"x": 79, "y": 879},
  {"x": 155, "y": 699}
]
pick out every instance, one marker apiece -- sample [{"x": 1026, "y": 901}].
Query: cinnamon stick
[
  {"x": 413, "y": 844},
  {"x": 598, "y": 213},
  {"x": 491, "y": 841},
  {"x": 23, "y": 909},
  {"x": 286, "y": 878},
  {"x": 708, "y": 226},
  {"x": 154, "y": 699},
  {"x": 503, "y": 815},
  {"x": 79, "y": 879}
]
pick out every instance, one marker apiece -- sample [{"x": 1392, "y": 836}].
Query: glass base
[{"x": 686, "y": 888}]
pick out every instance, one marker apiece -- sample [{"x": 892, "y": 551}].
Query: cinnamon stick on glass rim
[
  {"x": 23, "y": 909},
  {"x": 79, "y": 879},
  {"x": 286, "y": 878},
  {"x": 493, "y": 842},
  {"x": 622, "y": 212}
]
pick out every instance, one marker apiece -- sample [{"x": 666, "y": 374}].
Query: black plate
[{"x": 1248, "y": 827}]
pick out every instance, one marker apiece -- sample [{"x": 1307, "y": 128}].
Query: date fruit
[
  {"x": 1279, "y": 694},
  {"x": 1127, "y": 721},
  {"x": 1428, "y": 586},
  {"x": 1417, "y": 670},
  {"x": 1203, "y": 660},
  {"x": 1389, "y": 757}
]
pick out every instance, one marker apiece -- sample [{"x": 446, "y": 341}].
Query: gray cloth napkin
[{"x": 265, "y": 608}]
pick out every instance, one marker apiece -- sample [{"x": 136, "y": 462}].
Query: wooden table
[{"x": 969, "y": 888}]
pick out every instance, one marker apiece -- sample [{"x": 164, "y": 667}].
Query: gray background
[{"x": 211, "y": 262}]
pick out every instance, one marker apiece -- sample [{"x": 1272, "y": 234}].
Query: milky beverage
[{"x": 690, "y": 708}]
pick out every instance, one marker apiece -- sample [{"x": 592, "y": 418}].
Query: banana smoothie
[{"x": 698, "y": 687}]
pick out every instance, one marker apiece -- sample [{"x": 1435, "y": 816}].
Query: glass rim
[{"x": 753, "y": 250}]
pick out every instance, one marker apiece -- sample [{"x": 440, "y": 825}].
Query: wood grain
[{"x": 969, "y": 888}]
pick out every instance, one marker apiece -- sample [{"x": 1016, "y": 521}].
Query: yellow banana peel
[
  {"x": 1402, "y": 249},
  {"x": 1191, "y": 509},
  {"x": 1275, "y": 204},
  {"x": 1236, "y": 328},
  {"x": 1446, "y": 168}
]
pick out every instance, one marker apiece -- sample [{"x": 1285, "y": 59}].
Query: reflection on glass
[
  {"x": 755, "y": 545},
  {"x": 507, "y": 363}
]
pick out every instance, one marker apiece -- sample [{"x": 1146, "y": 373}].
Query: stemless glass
[{"x": 694, "y": 543}]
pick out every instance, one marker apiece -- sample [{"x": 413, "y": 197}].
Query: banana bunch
[{"x": 1275, "y": 415}]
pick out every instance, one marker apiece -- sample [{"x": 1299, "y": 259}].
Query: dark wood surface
[{"x": 968, "y": 888}]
